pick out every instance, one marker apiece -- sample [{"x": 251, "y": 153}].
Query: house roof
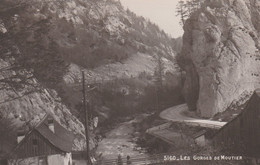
[
  {"x": 254, "y": 100},
  {"x": 60, "y": 138}
]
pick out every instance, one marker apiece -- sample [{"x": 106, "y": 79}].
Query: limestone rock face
[
  {"x": 25, "y": 102},
  {"x": 221, "y": 54}
]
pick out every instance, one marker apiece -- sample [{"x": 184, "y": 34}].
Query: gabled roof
[
  {"x": 61, "y": 138},
  {"x": 254, "y": 100},
  {"x": 199, "y": 133}
]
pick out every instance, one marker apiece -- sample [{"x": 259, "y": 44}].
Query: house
[
  {"x": 48, "y": 143},
  {"x": 241, "y": 135}
]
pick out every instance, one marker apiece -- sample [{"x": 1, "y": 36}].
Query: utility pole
[
  {"x": 157, "y": 99},
  {"x": 88, "y": 161}
]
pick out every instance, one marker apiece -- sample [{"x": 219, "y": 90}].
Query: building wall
[
  {"x": 58, "y": 159},
  {"x": 242, "y": 134},
  {"x": 64, "y": 159},
  {"x": 201, "y": 141},
  {"x": 35, "y": 145},
  {"x": 68, "y": 159}
]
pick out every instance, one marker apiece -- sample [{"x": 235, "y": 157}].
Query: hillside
[
  {"x": 88, "y": 33},
  {"x": 221, "y": 54}
]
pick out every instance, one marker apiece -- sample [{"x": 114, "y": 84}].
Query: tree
[
  {"x": 181, "y": 10},
  {"x": 181, "y": 62},
  {"x": 43, "y": 55},
  {"x": 197, "y": 3},
  {"x": 185, "y": 9},
  {"x": 159, "y": 72},
  {"x": 7, "y": 132}
]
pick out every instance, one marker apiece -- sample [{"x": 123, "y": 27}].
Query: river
[{"x": 121, "y": 140}]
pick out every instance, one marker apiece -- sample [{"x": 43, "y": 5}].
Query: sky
[{"x": 161, "y": 12}]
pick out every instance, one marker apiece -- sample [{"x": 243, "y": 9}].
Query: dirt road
[{"x": 176, "y": 114}]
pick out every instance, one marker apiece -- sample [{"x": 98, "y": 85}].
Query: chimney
[
  {"x": 20, "y": 135},
  {"x": 51, "y": 124}
]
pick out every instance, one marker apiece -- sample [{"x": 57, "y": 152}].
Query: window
[
  {"x": 35, "y": 146},
  {"x": 35, "y": 142},
  {"x": 241, "y": 123},
  {"x": 50, "y": 121}
]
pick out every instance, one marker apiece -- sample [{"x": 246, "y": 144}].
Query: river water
[{"x": 121, "y": 141}]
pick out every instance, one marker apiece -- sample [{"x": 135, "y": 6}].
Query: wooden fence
[{"x": 155, "y": 159}]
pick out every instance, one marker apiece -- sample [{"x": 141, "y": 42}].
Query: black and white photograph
[{"x": 129, "y": 82}]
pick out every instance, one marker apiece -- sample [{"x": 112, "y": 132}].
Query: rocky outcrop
[
  {"x": 132, "y": 67},
  {"x": 25, "y": 102},
  {"x": 221, "y": 53}
]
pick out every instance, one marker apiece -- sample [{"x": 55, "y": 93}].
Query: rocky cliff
[
  {"x": 24, "y": 101},
  {"x": 221, "y": 54}
]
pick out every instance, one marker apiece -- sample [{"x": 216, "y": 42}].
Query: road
[{"x": 176, "y": 114}]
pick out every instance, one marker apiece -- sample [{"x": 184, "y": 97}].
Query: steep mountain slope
[
  {"x": 221, "y": 54},
  {"x": 44, "y": 42},
  {"x": 88, "y": 33}
]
